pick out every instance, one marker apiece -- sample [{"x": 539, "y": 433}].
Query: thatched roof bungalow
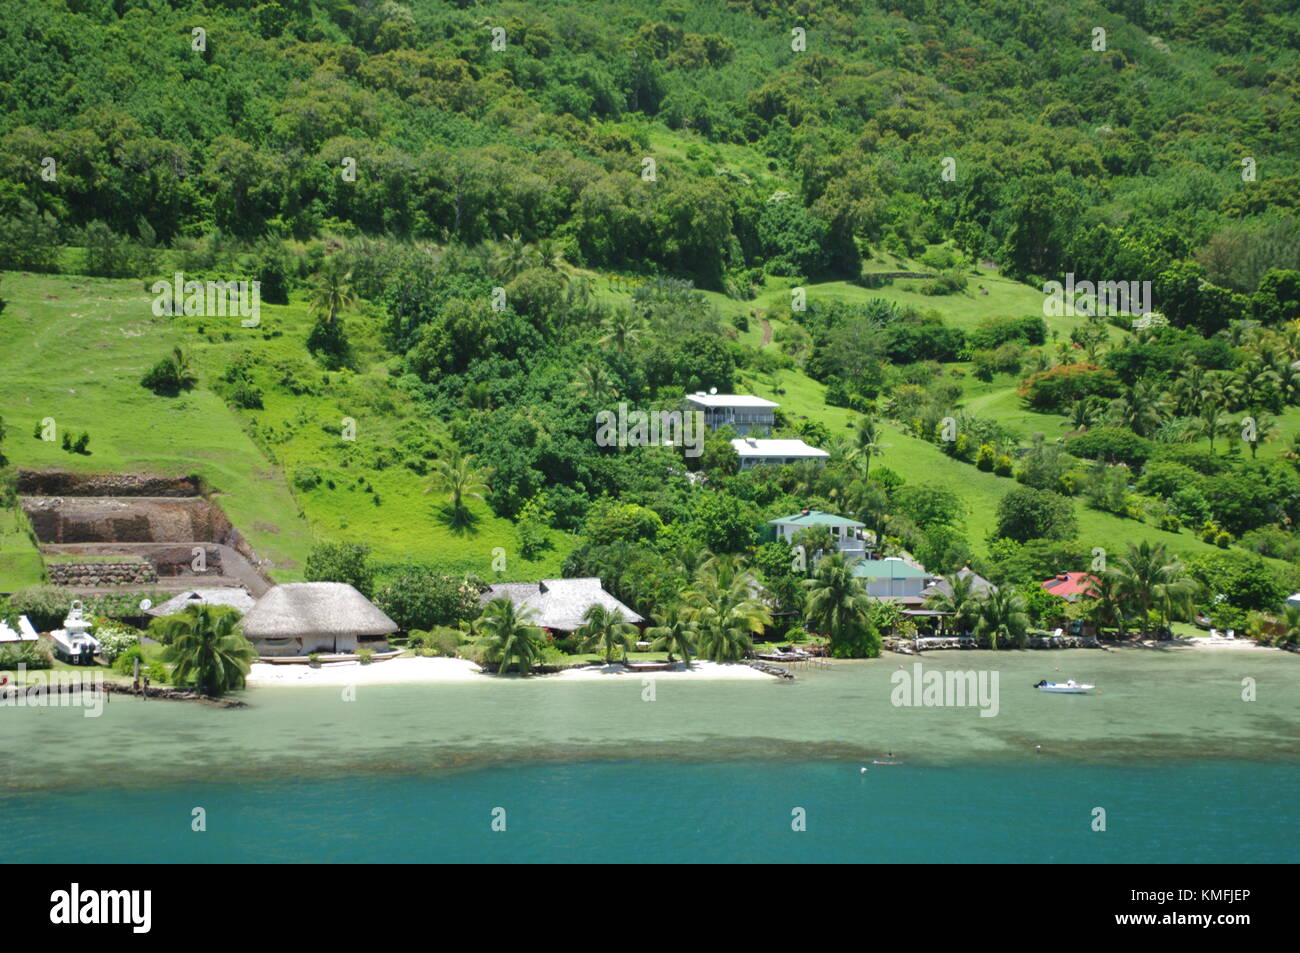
[
  {"x": 558, "y": 604},
  {"x": 299, "y": 618},
  {"x": 234, "y": 597}
]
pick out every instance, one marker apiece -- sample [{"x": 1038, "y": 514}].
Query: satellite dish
[{"x": 713, "y": 390}]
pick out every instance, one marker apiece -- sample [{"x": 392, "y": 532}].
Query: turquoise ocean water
[{"x": 1185, "y": 770}]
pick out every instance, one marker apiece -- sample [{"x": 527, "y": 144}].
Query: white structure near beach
[
  {"x": 754, "y": 452},
  {"x": 558, "y": 604},
  {"x": 24, "y": 633},
  {"x": 301, "y": 618},
  {"x": 743, "y": 413},
  {"x": 73, "y": 642}
]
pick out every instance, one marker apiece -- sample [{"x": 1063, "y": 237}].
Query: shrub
[
  {"x": 114, "y": 639},
  {"x": 45, "y": 606},
  {"x": 420, "y": 598},
  {"x": 1026, "y": 513},
  {"x": 1058, "y": 387},
  {"x": 30, "y": 655}
]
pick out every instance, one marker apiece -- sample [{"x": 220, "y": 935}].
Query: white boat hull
[{"x": 1065, "y": 688}]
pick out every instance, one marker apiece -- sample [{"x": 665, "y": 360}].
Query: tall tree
[
  {"x": 207, "y": 649},
  {"x": 508, "y": 635}
]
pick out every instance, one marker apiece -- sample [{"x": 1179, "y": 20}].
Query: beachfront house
[
  {"x": 1071, "y": 586},
  {"x": 558, "y": 604},
  {"x": 850, "y": 536},
  {"x": 743, "y": 413},
  {"x": 754, "y": 452},
  {"x": 301, "y": 618},
  {"x": 980, "y": 586},
  {"x": 235, "y": 597},
  {"x": 894, "y": 579}
]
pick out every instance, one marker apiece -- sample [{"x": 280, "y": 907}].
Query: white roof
[
  {"x": 729, "y": 400},
  {"x": 747, "y": 447},
  {"x": 25, "y": 632}
]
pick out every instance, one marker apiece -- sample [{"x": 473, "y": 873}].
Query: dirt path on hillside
[{"x": 767, "y": 332}]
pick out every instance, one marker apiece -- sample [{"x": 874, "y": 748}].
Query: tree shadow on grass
[{"x": 462, "y": 522}]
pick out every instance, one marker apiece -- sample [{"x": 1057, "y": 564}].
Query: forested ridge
[{"x": 475, "y": 225}]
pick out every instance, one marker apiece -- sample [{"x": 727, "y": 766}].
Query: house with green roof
[
  {"x": 850, "y": 536},
  {"x": 894, "y": 579}
]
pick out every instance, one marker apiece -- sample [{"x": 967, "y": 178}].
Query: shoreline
[{"x": 420, "y": 670}]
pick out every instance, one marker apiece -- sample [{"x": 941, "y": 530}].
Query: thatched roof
[
  {"x": 558, "y": 603},
  {"x": 979, "y": 585},
  {"x": 299, "y": 609},
  {"x": 232, "y": 596}
]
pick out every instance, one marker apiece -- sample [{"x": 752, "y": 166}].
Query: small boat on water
[{"x": 1064, "y": 688}]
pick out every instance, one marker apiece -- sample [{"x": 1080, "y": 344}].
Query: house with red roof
[{"x": 1071, "y": 585}]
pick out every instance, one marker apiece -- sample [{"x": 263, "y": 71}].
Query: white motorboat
[{"x": 1064, "y": 688}]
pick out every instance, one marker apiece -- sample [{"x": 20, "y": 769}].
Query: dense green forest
[{"x": 481, "y": 223}]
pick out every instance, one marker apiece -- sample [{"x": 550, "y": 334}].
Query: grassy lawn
[
  {"x": 75, "y": 351},
  {"x": 20, "y": 560}
]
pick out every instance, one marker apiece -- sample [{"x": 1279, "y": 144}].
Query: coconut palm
[
  {"x": 331, "y": 294},
  {"x": 1109, "y": 603},
  {"x": 459, "y": 476},
  {"x": 622, "y": 328},
  {"x": 606, "y": 629},
  {"x": 182, "y": 371},
  {"x": 838, "y": 606},
  {"x": 866, "y": 443},
  {"x": 511, "y": 256},
  {"x": 675, "y": 632},
  {"x": 727, "y": 615},
  {"x": 1148, "y": 575},
  {"x": 1002, "y": 615},
  {"x": 1211, "y": 420},
  {"x": 508, "y": 635},
  {"x": 961, "y": 602},
  {"x": 206, "y": 648},
  {"x": 1084, "y": 413},
  {"x": 1140, "y": 409},
  {"x": 593, "y": 381}
]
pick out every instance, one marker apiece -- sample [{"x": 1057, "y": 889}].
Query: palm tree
[
  {"x": 1110, "y": 607},
  {"x": 675, "y": 632},
  {"x": 508, "y": 635},
  {"x": 961, "y": 602},
  {"x": 331, "y": 294},
  {"x": 607, "y": 629},
  {"x": 205, "y": 647},
  {"x": 866, "y": 443},
  {"x": 1002, "y": 615},
  {"x": 724, "y": 609},
  {"x": 838, "y": 607},
  {"x": 459, "y": 476},
  {"x": 512, "y": 255},
  {"x": 1147, "y": 575},
  {"x": 593, "y": 381},
  {"x": 1265, "y": 429},
  {"x": 1211, "y": 420},
  {"x": 182, "y": 371},
  {"x": 622, "y": 328},
  {"x": 1141, "y": 408},
  {"x": 548, "y": 255},
  {"x": 1084, "y": 413}
]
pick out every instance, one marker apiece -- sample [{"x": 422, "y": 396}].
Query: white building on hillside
[{"x": 753, "y": 452}]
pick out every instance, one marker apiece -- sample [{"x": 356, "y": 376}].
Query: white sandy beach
[
  {"x": 731, "y": 671},
  {"x": 1215, "y": 645},
  {"x": 416, "y": 670}
]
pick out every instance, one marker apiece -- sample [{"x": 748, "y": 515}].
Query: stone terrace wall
[{"x": 64, "y": 483}]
